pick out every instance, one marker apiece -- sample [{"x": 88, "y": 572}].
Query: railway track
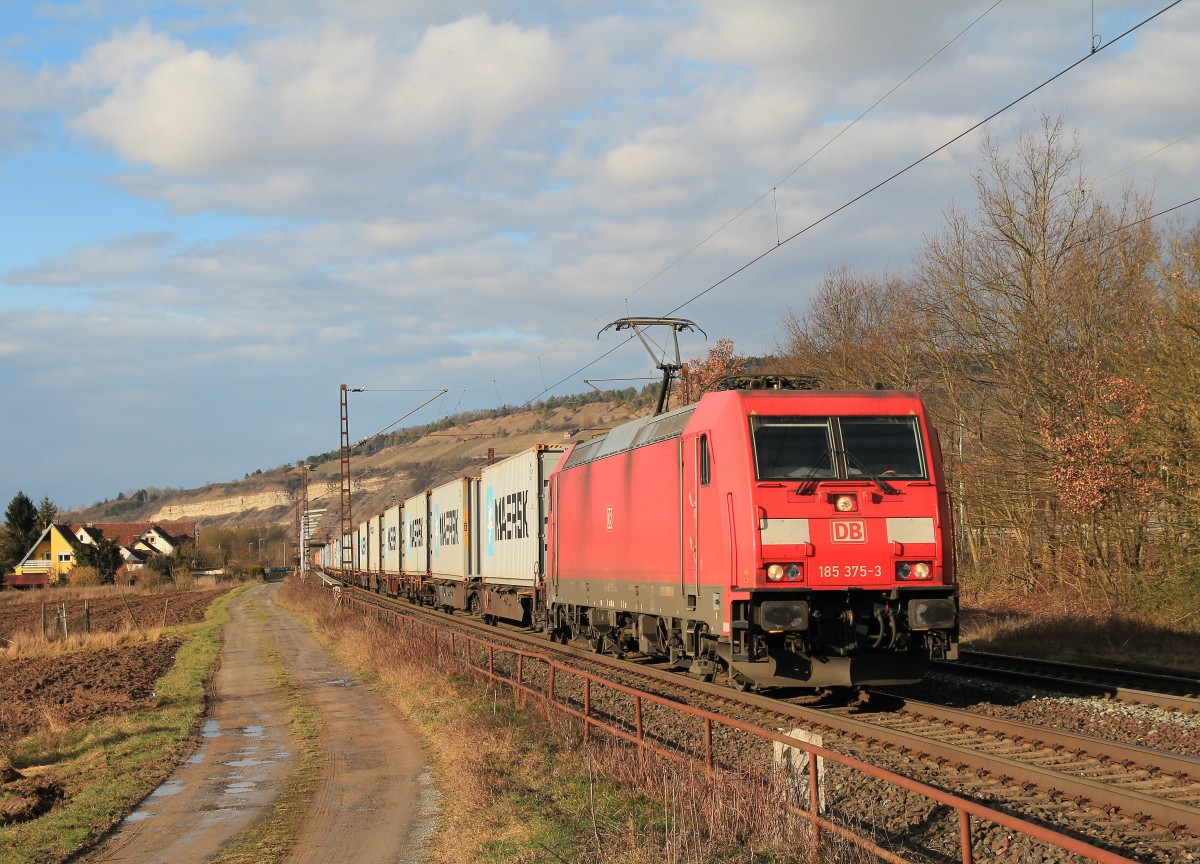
[
  {"x": 1116, "y": 794},
  {"x": 1172, "y": 692}
]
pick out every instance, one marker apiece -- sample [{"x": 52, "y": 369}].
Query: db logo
[{"x": 849, "y": 532}]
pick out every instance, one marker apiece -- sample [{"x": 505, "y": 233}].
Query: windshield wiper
[
  {"x": 884, "y": 487},
  {"x": 810, "y": 478}
]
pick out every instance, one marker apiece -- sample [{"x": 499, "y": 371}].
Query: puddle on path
[
  {"x": 197, "y": 758},
  {"x": 240, "y": 788},
  {"x": 211, "y": 729},
  {"x": 139, "y": 816},
  {"x": 254, "y": 731},
  {"x": 171, "y": 787}
]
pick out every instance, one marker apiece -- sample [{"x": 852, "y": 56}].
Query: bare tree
[
  {"x": 1041, "y": 305},
  {"x": 1056, "y": 337},
  {"x": 857, "y": 333}
]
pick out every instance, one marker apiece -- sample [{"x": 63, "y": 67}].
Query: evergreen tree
[
  {"x": 105, "y": 556},
  {"x": 47, "y": 513},
  {"x": 20, "y": 531}
]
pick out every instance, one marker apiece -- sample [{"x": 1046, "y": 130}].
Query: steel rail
[
  {"x": 1162, "y": 761},
  {"x": 1177, "y": 693},
  {"x": 965, "y": 808}
]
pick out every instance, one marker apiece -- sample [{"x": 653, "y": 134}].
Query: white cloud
[
  {"x": 440, "y": 194},
  {"x": 349, "y": 102}
]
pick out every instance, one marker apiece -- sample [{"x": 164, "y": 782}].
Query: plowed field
[{"x": 60, "y": 690}]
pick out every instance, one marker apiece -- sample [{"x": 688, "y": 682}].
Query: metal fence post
[
  {"x": 587, "y": 707},
  {"x": 814, "y": 800},
  {"x": 964, "y": 834}
]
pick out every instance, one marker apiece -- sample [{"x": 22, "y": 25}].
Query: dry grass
[
  {"x": 520, "y": 784},
  {"x": 1072, "y": 628},
  {"x": 25, "y": 644}
]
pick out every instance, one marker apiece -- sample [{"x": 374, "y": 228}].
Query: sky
[{"x": 213, "y": 214}]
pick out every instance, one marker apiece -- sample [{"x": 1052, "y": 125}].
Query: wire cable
[
  {"x": 924, "y": 158},
  {"x": 625, "y": 300}
]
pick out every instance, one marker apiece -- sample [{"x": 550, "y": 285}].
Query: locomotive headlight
[
  {"x": 920, "y": 570},
  {"x": 845, "y": 504},
  {"x": 792, "y": 571},
  {"x": 775, "y": 572}
]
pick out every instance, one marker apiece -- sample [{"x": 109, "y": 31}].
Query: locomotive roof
[{"x": 670, "y": 424}]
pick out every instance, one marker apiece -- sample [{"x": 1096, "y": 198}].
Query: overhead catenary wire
[
  {"x": 922, "y": 159},
  {"x": 438, "y": 395},
  {"x": 746, "y": 209},
  {"x": 867, "y": 289},
  {"x": 858, "y": 197},
  {"x": 828, "y": 215}
]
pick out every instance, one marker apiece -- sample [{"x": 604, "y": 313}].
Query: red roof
[
  {"x": 26, "y": 580},
  {"x": 127, "y": 533}
]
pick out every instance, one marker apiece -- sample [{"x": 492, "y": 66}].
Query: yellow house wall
[{"x": 50, "y": 547}]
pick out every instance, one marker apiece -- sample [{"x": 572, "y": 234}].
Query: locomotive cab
[{"x": 852, "y": 582}]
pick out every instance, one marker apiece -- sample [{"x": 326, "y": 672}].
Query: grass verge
[
  {"x": 519, "y": 784},
  {"x": 110, "y": 764}
]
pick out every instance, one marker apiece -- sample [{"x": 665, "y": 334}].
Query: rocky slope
[{"x": 380, "y": 476}]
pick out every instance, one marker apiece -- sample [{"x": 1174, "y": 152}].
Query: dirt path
[{"x": 375, "y": 798}]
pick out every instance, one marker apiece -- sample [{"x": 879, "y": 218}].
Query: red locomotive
[{"x": 779, "y": 536}]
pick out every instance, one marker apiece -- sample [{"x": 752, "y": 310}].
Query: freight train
[{"x": 774, "y": 535}]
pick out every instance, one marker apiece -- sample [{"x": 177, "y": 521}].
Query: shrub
[
  {"x": 149, "y": 578},
  {"x": 182, "y": 578},
  {"x": 84, "y": 575}
]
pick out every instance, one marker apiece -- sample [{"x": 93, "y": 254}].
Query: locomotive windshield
[
  {"x": 787, "y": 447},
  {"x": 816, "y": 448},
  {"x": 883, "y": 447}
]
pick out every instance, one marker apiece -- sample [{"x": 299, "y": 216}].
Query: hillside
[{"x": 383, "y": 470}]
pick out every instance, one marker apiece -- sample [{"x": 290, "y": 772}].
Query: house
[
  {"x": 51, "y": 556},
  {"x": 138, "y": 540},
  {"x": 56, "y": 550}
]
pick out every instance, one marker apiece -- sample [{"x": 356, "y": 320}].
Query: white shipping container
[
  {"x": 416, "y": 535},
  {"x": 360, "y": 545},
  {"x": 373, "y": 544},
  {"x": 449, "y": 530},
  {"x": 391, "y": 540},
  {"x": 513, "y": 493}
]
